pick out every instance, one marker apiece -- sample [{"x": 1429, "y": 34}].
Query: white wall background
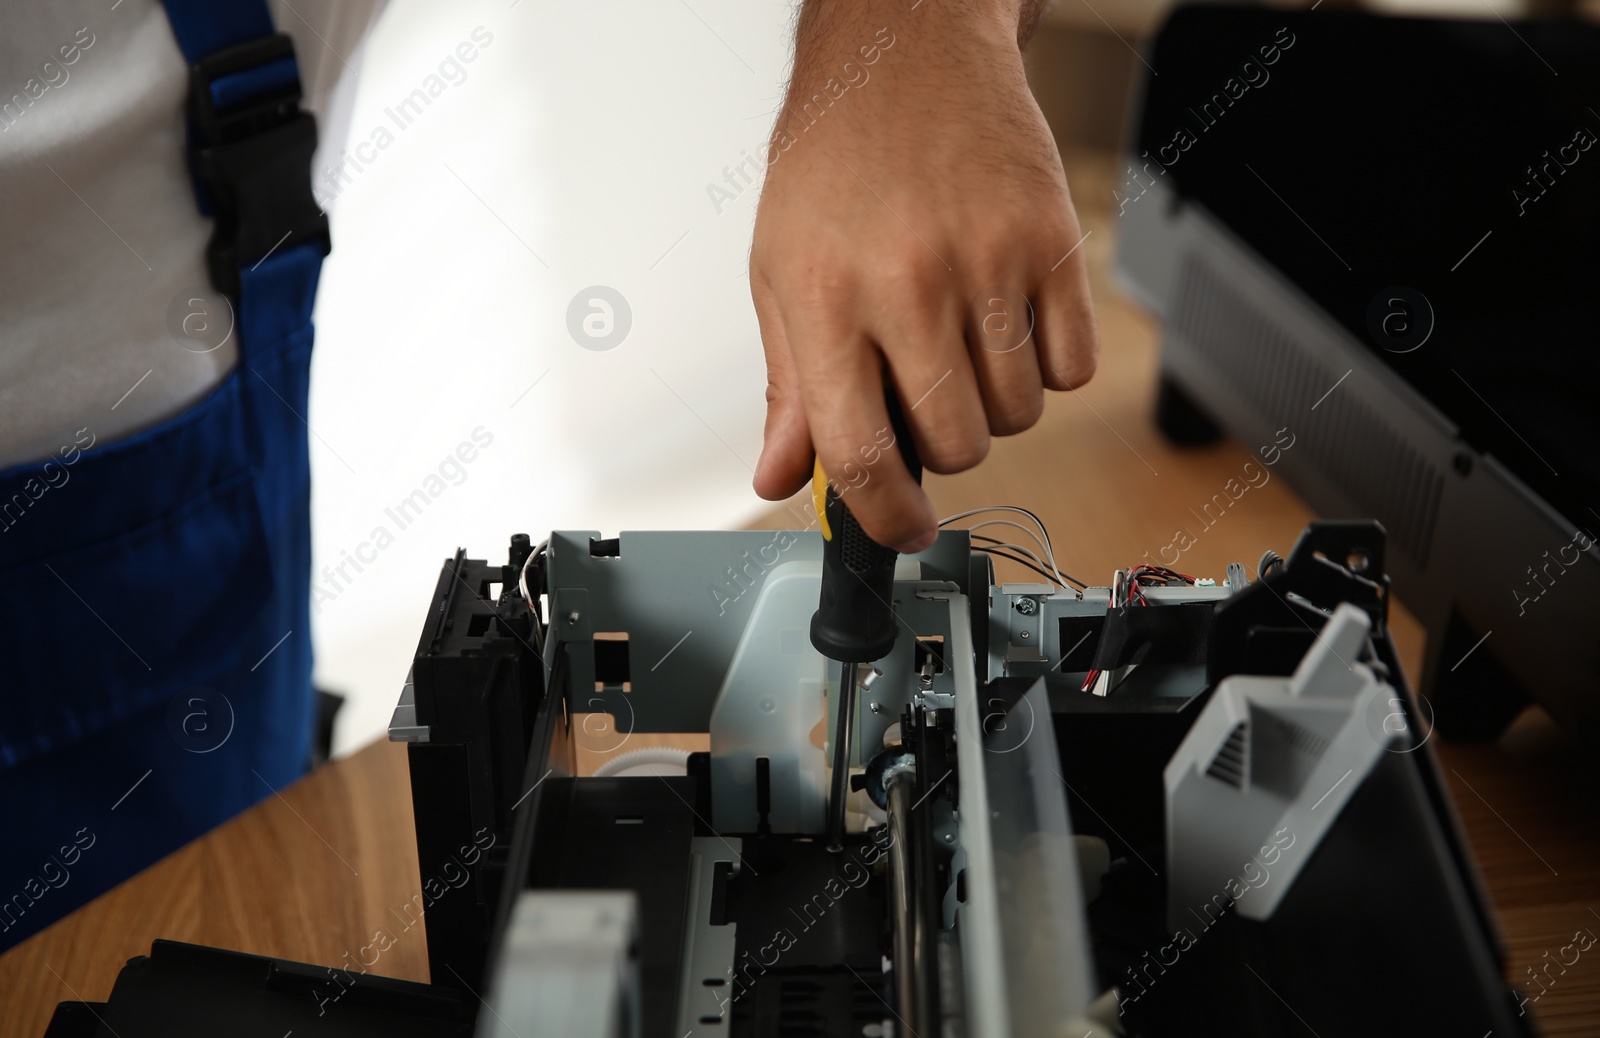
[{"x": 576, "y": 151}]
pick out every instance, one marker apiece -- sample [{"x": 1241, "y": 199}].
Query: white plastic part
[
  {"x": 567, "y": 968},
  {"x": 1264, "y": 773},
  {"x": 770, "y": 702},
  {"x": 647, "y": 761}
]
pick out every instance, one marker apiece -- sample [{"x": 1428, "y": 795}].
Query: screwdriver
[{"x": 854, "y": 622}]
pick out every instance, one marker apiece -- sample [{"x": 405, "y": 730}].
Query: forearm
[{"x": 824, "y": 24}]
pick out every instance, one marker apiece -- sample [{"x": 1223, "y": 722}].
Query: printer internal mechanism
[
  {"x": 1162, "y": 806},
  {"x": 1165, "y": 806}
]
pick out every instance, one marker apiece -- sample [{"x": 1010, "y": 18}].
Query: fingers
[
  {"x": 933, "y": 377},
  {"x": 966, "y": 365},
  {"x": 842, "y": 375},
  {"x": 939, "y": 397},
  {"x": 1001, "y": 332},
  {"x": 785, "y": 464},
  {"x": 1069, "y": 343}
]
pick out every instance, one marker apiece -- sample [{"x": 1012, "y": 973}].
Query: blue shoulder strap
[
  {"x": 250, "y": 147},
  {"x": 204, "y": 27}
]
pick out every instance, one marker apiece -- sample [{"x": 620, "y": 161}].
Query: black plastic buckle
[{"x": 253, "y": 160}]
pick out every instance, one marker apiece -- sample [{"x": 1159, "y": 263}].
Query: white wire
[
  {"x": 1026, "y": 551},
  {"x": 1000, "y": 508},
  {"x": 1036, "y": 539},
  {"x": 522, "y": 578},
  {"x": 1043, "y": 541}
]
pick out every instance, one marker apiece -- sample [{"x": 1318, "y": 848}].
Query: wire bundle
[
  {"x": 1143, "y": 576},
  {"x": 1127, "y": 589},
  {"x": 1022, "y": 555}
]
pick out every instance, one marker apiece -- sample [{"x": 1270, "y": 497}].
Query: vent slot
[
  {"x": 1283, "y": 753},
  {"x": 1228, "y": 766},
  {"x": 1350, "y": 443},
  {"x": 1303, "y": 739}
]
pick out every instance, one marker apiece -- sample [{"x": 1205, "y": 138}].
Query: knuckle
[
  {"x": 808, "y": 275},
  {"x": 1015, "y": 414},
  {"x": 1056, "y": 236},
  {"x": 845, "y": 465},
  {"x": 1057, "y": 225},
  {"x": 948, "y": 455},
  {"x": 914, "y": 274},
  {"x": 991, "y": 260},
  {"x": 822, "y": 288}
]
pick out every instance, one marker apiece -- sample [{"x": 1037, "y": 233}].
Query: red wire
[{"x": 1135, "y": 590}]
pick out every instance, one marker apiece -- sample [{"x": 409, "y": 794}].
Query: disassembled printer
[{"x": 1161, "y": 807}]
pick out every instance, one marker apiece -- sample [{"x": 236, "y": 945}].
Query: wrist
[
  {"x": 923, "y": 52},
  {"x": 828, "y": 29}
]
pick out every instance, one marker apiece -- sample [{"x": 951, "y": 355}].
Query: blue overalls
[{"x": 154, "y": 610}]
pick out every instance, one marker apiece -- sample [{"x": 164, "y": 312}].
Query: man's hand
[{"x": 915, "y": 225}]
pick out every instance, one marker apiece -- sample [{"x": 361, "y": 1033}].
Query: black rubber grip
[{"x": 855, "y": 621}]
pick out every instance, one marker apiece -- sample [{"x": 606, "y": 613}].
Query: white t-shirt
[{"x": 99, "y": 231}]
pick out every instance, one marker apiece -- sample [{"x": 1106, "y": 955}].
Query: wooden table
[{"x": 275, "y": 881}]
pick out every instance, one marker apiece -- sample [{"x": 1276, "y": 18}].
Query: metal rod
[
  {"x": 839, "y": 788},
  {"x": 902, "y": 898},
  {"x": 925, "y": 899}
]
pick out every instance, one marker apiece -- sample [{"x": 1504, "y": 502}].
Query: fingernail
[{"x": 917, "y": 544}]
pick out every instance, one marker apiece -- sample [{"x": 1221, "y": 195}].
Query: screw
[
  {"x": 1024, "y": 635},
  {"x": 572, "y": 617},
  {"x": 876, "y": 708},
  {"x": 949, "y": 837},
  {"x": 1027, "y": 606}
]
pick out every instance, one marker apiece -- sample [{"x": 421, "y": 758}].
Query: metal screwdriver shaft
[{"x": 843, "y": 725}]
